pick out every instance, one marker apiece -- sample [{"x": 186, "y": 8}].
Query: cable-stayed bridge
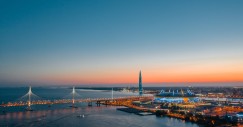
[{"x": 32, "y": 99}]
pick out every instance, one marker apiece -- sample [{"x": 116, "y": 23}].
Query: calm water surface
[{"x": 64, "y": 116}]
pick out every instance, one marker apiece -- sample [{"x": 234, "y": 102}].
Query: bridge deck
[{"x": 64, "y": 101}]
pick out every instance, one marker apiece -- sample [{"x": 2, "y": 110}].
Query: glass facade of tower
[{"x": 140, "y": 84}]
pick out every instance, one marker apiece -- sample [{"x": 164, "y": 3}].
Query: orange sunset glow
[
  {"x": 178, "y": 73},
  {"x": 90, "y": 44}
]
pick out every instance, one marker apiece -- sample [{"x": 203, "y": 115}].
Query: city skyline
[{"x": 108, "y": 42}]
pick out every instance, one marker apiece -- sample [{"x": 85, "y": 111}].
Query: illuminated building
[{"x": 176, "y": 96}]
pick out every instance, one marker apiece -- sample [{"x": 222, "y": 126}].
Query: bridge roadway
[{"x": 65, "y": 101}]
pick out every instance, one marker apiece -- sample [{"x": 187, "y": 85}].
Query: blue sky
[{"x": 109, "y": 41}]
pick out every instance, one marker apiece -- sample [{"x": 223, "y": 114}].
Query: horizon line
[{"x": 184, "y": 84}]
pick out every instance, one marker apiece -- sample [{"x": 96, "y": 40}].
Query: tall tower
[{"x": 140, "y": 84}]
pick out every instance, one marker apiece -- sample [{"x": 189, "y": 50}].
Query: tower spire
[{"x": 140, "y": 84}]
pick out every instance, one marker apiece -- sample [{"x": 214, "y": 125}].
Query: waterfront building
[
  {"x": 176, "y": 96},
  {"x": 176, "y": 93},
  {"x": 239, "y": 116}
]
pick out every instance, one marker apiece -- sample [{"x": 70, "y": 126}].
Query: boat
[
  {"x": 72, "y": 106},
  {"x": 29, "y": 109},
  {"x": 81, "y": 116}
]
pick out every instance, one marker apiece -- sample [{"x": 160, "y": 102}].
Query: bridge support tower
[{"x": 28, "y": 108}]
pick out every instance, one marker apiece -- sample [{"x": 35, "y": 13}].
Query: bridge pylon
[
  {"x": 28, "y": 108},
  {"x": 112, "y": 94},
  {"x": 73, "y": 98}
]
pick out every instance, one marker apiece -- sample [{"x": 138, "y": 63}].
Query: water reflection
[{"x": 102, "y": 116}]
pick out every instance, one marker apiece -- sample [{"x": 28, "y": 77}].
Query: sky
[{"x": 110, "y": 41}]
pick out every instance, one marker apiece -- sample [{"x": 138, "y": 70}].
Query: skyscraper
[{"x": 140, "y": 84}]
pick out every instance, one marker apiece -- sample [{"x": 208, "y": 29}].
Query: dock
[{"x": 135, "y": 111}]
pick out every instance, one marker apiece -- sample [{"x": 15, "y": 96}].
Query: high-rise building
[{"x": 140, "y": 84}]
